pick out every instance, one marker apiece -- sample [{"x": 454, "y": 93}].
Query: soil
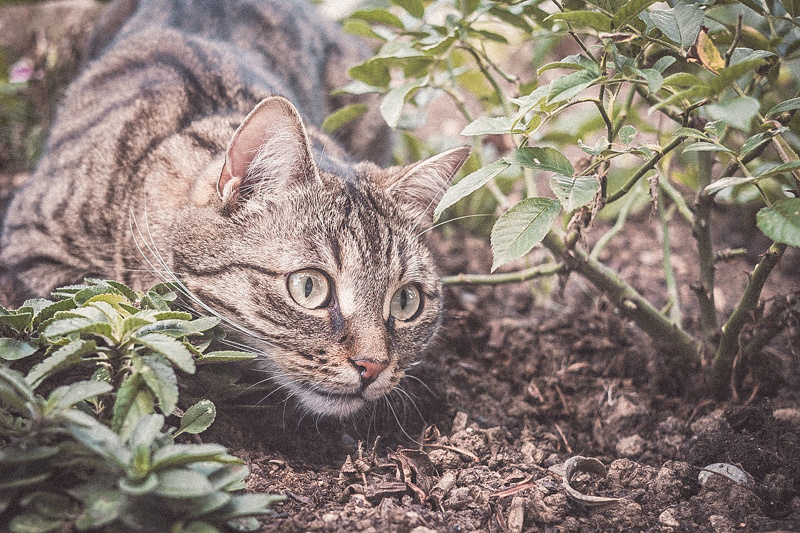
[{"x": 524, "y": 378}]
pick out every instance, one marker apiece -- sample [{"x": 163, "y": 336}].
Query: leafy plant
[
  {"x": 94, "y": 452},
  {"x": 687, "y": 103}
]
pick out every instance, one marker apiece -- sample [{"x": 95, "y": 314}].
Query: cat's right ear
[{"x": 269, "y": 149}]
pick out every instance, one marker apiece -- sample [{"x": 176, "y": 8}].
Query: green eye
[
  {"x": 309, "y": 288},
  {"x": 405, "y": 303}
]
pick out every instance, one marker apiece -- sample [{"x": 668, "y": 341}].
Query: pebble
[{"x": 667, "y": 518}]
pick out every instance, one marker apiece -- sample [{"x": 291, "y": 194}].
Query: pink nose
[{"x": 369, "y": 370}]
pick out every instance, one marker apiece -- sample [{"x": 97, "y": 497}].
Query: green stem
[
  {"x": 728, "y": 347},
  {"x": 628, "y": 301},
  {"x": 666, "y": 257},
  {"x": 676, "y": 197},
  {"x": 538, "y": 271}
]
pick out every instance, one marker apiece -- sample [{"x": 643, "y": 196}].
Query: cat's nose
[{"x": 369, "y": 370}]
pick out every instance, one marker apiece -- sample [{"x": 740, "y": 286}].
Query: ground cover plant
[
  {"x": 94, "y": 451},
  {"x": 682, "y": 104}
]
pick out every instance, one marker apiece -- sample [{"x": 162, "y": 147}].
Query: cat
[{"x": 190, "y": 148}]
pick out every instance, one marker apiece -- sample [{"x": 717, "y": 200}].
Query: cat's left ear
[
  {"x": 421, "y": 185},
  {"x": 269, "y": 150}
]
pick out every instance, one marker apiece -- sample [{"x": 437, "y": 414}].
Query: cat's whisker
[
  {"x": 399, "y": 424},
  {"x": 418, "y": 380},
  {"x": 442, "y": 188},
  {"x": 423, "y": 232}
]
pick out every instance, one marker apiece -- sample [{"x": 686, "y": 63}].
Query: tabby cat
[{"x": 189, "y": 149}]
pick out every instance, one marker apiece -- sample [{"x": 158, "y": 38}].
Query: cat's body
[{"x": 171, "y": 153}]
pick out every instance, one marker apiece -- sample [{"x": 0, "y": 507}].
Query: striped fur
[{"x": 141, "y": 180}]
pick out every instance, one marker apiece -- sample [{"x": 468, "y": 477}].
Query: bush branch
[
  {"x": 630, "y": 303},
  {"x": 644, "y": 169},
  {"x": 538, "y": 271},
  {"x": 729, "y": 341}
]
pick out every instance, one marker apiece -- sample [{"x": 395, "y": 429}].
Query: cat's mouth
[{"x": 337, "y": 404}]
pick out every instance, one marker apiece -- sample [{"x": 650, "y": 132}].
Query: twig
[
  {"x": 537, "y": 271},
  {"x": 644, "y": 169},
  {"x": 729, "y": 341},
  {"x": 622, "y": 216},
  {"x": 677, "y": 199},
  {"x": 735, "y": 42}
]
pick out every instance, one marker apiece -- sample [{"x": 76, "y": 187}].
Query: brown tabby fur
[{"x": 149, "y": 174}]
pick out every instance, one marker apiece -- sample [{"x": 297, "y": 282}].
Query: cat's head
[{"x": 322, "y": 264}]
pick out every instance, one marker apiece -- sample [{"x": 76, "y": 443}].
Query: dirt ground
[{"x": 521, "y": 379}]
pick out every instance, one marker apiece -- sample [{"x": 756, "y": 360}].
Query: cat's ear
[
  {"x": 421, "y": 185},
  {"x": 268, "y": 150}
]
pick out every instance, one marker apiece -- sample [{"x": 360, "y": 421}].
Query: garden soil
[{"x": 538, "y": 408}]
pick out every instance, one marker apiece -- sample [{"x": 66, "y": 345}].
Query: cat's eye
[
  {"x": 405, "y": 303},
  {"x": 309, "y": 288}
]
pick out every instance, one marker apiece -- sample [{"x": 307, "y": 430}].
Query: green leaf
[
  {"x": 593, "y": 19},
  {"x": 414, "y": 8},
  {"x": 522, "y": 227},
  {"x": 15, "y": 456},
  {"x": 571, "y": 85},
  {"x": 64, "y": 357},
  {"x": 17, "y": 383},
  {"x": 467, "y": 185},
  {"x": 788, "y": 105},
  {"x": 488, "y": 126},
  {"x": 343, "y": 115},
  {"x": 100, "y": 508},
  {"x": 378, "y": 16},
  {"x": 680, "y": 24},
  {"x": 541, "y": 158},
  {"x": 248, "y": 505},
  {"x": 392, "y": 105},
  {"x": 184, "y": 454},
  {"x": 757, "y": 141},
  {"x": 198, "y": 417},
  {"x": 170, "y": 348},
  {"x": 134, "y": 400},
  {"x": 724, "y": 183},
  {"x": 573, "y": 192},
  {"x": 225, "y": 356},
  {"x": 13, "y": 349},
  {"x": 68, "y": 395},
  {"x": 737, "y": 112},
  {"x": 183, "y": 483},
  {"x": 17, "y": 320},
  {"x": 138, "y": 487},
  {"x": 35, "y": 523},
  {"x": 690, "y": 132},
  {"x": 198, "y": 527},
  {"x": 627, "y": 134},
  {"x": 96, "y": 437},
  {"x": 732, "y": 73},
  {"x": 781, "y": 221},
  {"x": 629, "y": 11},
  {"x": 147, "y": 429},
  {"x": 599, "y": 147},
  {"x": 572, "y": 62},
  {"x": 159, "y": 376},
  {"x": 706, "y": 147},
  {"x": 76, "y": 324}
]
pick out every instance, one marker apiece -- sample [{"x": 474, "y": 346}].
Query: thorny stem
[
  {"x": 644, "y": 169},
  {"x": 537, "y": 271},
  {"x": 729, "y": 341},
  {"x": 630, "y": 303}
]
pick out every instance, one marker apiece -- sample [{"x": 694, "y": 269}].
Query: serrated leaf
[
  {"x": 170, "y": 348},
  {"x": 599, "y": 147},
  {"x": 48, "y": 312},
  {"x": 14, "y": 349},
  {"x": 724, "y": 183},
  {"x": 391, "y": 107},
  {"x": 783, "y": 107},
  {"x": 781, "y": 221},
  {"x": 680, "y": 24},
  {"x": 159, "y": 376},
  {"x": 663, "y": 63},
  {"x": 571, "y": 85},
  {"x": 488, "y": 126},
  {"x": 541, "y": 158},
  {"x": 68, "y": 395},
  {"x": 467, "y": 185},
  {"x": 732, "y": 73},
  {"x": 593, "y": 19},
  {"x": 654, "y": 79},
  {"x": 183, "y": 483},
  {"x": 17, "y": 320},
  {"x": 690, "y": 132},
  {"x": 96, "y": 437},
  {"x": 198, "y": 417},
  {"x": 573, "y": 192},
  {"x": 627, "y": 134},
  {"x": 737, "y": 112},
  {"x": 629, "y": 11},
  {"x": 756, "y": 141},
  {"x": 184, "y": 454},
  {"x": 342, "y": 116},
  {"x": 76, "y": 324},
  {"x": 572, "y": 62},
  {"x": 522, "y": 227},
  {"x": 147, "y": 429}
]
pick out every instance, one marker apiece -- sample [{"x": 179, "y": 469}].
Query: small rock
[
  {"x": 516, "y": 514},
  {"x": 721, "y": 524},
  {"x": 631, "y": 446},
  {"x": 531, "y": 453},
  {"x": 788, "y": 414},
  {"x": 423, "y": 529},
  {"x": 459, "y": 421},
  {"x": 667, "y": 518},
  {"x": 329, "y": 518}
]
